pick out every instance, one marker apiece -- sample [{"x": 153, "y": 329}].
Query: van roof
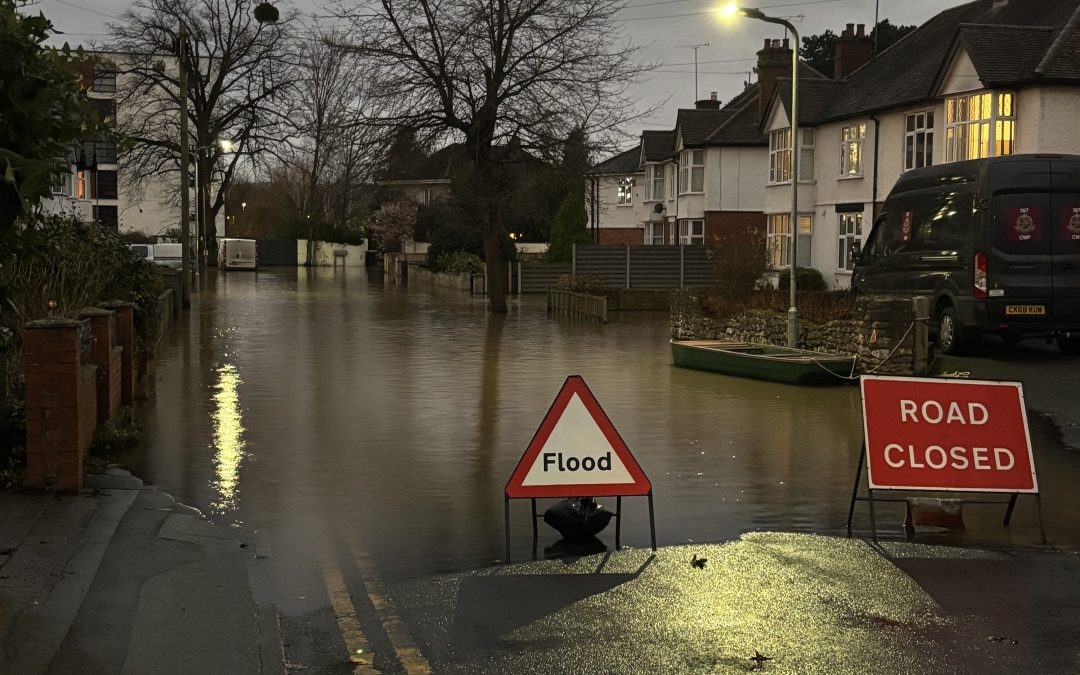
[{"x": 961, "y": 172}]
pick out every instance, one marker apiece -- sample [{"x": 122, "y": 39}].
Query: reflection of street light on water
[
  {"x": 228, "y": 438},
  {"x": 728, "y": 12}
]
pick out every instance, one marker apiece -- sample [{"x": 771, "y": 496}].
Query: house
[
  {"x": 94, "y": 188},
  {"x": 990, "y": 77}
]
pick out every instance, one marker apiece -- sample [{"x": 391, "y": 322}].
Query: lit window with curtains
[
  {"x": 850, "y": 236},
  {"x": 980, "y": 125},
  {"x": 626, "y": 192},
  {"x": 778, "y": 239},
  {"x": 851, "y": 147},
  {"x": 780, "y": 156}
]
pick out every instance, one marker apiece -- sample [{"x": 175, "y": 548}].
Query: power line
[{"x": 88, "y": 9}]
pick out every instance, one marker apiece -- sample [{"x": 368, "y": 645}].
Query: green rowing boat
[{"x": 763, "y": 362}]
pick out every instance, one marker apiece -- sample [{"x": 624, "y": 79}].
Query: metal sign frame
[{"x": 618, "y": 520}]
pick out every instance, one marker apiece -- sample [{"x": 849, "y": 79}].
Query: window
[
  {"x": 850, "y": 235},
  {"x": 62, "y": 184},
  {"x": 778, "y": 239},
  {"x": 654, "y": 234},
  {"x": 806, "y": 155},
  {"x": 780, "y": 156},
  {"x": 671, "y": 181},
  {"x": 105, "y": 152},
  {"x": 979, "y": 125},
  {"x": 692, "y": 232},
  {"x": 851, "y": 142},
  {"x": 105, "y": 185},
  {"x": 654, "y": 183},
  {"x": 105, "y": 78},
  {"x": 806, "y": 231},
  {"x": 692, "y": 172},
  {"x": 918, "y": 140},
  {"x": 626, "y": 192},
  {"x": 107, "y": 217},
  {"x": 105, "y": 109},
  {"x": 81, "y": 188}
]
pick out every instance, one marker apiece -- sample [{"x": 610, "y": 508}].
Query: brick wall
[
  {"x": 103, "y": 352},
  {"x": 632, "y": 236}
]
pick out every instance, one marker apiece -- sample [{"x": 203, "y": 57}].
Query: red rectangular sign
[{"x": 940, "y": 434}]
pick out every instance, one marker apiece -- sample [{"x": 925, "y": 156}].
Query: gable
[
  {"x": 961, "y": 75},
  {"x": 777, "y": 117}
]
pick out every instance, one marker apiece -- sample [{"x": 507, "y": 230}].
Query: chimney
[
  {"x": 852, "y": 50},
  {"x": 711, "y": 103},
  {"x": 773, "y": 61}
]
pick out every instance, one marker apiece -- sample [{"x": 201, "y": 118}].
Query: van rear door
[
  {"x": 1065, "y": 237},
  {"x": 1020, "y": 261}
]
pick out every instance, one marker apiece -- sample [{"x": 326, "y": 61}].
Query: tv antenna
[{"x": 695, "y": 48}]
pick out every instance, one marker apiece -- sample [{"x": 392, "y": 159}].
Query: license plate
[{"x": 1025, "y": 310}]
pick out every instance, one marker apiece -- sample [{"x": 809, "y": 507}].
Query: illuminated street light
[
  {"x": 732, "y": 10},
  {"x": 226, "y": 145}
]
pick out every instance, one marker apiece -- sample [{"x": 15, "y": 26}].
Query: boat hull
[{"x": 763, "y": 362}]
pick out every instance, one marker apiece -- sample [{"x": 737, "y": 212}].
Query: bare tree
[
  {"x": 239, "y": 86},
  {"x": 488, "y": 71}
]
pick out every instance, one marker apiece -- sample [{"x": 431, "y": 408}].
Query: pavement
[{"x": 122, "y": 579}]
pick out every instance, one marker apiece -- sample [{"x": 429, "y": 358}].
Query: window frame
[
  {"x": 654, "y": 177},
  {"x": 778, "y": 241},
  {"x": 806, "y": 155},
  {"x": 852, "y": 137},
  {"x": 687, "y": 234},
  {"x": 689, "y": 170},
  {"x": 780, "y": 156},
  {"x": 104, "y": 78},
  {"x": 624, "y": 192},
  {"x": 651, "y": 236},
  {"x": 670, "y": 175},
  {"x": 849, "y": 231},
  {"x": 918, "y": 125},
  {"x": 991, "y": 113}
]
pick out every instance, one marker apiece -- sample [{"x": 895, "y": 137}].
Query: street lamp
[
  {"x": 227, "y": 147},
  {"x": 732, "y": 10}
]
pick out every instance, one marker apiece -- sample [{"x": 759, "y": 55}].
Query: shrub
[
  {"x": 740, "y": 258},
  {"x": 568, "y": 229},
  {"x": 452, "y": 237},
  {"x": 581, "y": 283},
  {"x": 117, "y": 437},
  {"x": 459, "y": 261},
  {"x": 808, "y": 279}
]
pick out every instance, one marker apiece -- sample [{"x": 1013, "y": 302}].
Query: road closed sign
[
  {"x": 956, "y": 435},
  {"x": 577, "y": 452}
]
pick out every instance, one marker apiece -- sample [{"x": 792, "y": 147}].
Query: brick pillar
[
  {"x": 102, "y": 330},
  {"x": 125, "y": 339},
  {"x": 60, "y": 408}
]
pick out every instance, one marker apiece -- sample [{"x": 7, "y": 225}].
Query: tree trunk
[{"x": 496, "y": 282}]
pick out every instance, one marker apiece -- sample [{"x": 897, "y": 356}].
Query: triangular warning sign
[{"x": 576, "y": 452}]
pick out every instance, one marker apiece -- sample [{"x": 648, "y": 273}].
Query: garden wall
[{"x": 880, "y": 334}]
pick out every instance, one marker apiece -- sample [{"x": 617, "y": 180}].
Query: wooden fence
[{"x": 577, "y": 305}]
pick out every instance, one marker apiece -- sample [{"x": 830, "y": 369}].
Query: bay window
[
  {"x": 692, "y": 232},
  {"x": 980, "y": 125},
  {"x": 780, "y": 156},
  {"x": 692, "y": 171}
]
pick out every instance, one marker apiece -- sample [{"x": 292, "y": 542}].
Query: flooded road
[{"x": 317, "y": 409}]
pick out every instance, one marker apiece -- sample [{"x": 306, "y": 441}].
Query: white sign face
[{"x": 577, "y": 453}]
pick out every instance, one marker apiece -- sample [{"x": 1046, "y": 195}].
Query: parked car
[
  {"x": 169, "y": 255},
  {"x": 995, "y": 244},
  {"x": 237, "y": 254},
  {"x": 144, "y": 251}
]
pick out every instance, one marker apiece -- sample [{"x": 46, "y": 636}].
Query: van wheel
[
  {"x": 952, "y": 338},
  {"x": 1069, "y": 346}
]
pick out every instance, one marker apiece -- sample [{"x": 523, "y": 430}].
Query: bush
[
  {"x": 117, "y": 437},
  {"x": 740, "y": 258},
  {"x": 581, "y": 283},
  {"x": 453, "y": 237},
  {"x": 568, "y": 229},
  {"x": 808, "y": 279},
  {"x": 457, "y": 262}
]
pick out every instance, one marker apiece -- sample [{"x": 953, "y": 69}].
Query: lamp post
[
  {"x": 226, "y": 148},
  {"x": 793, "y": 224}
]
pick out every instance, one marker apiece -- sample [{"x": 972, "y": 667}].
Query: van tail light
[{"x": 980, "y": 277}]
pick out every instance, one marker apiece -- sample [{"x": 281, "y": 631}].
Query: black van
[{"x": 995, "y": 243}]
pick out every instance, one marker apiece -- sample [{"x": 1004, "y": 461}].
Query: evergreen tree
[{"x": 568, "y": 229}]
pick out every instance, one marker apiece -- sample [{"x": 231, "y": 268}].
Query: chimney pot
[
  {"x": 860, "y": 30},
  {"x": 768, "y": 43},
  {"x": 850, "y": 28},
  {"x": 712, "y": 95},
  {"x": 785, "y": 44}
]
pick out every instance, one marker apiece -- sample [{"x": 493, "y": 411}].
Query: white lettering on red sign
[{"x": 936, "y": 434}]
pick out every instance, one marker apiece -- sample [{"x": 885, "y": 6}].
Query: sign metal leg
[
  {"x": 855, "y": 490},
  {"x": 873, "y": 518},
  {"x": 1009, "y": 508},
  {"x": 652, "y": 522},
  {"x": 506, "y": 514},
  {"x": 536, "y": 532},
  {"x": 618, "y": 523}
]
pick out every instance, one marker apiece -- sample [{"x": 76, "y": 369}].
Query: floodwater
[{"x": 302, "y": 405}]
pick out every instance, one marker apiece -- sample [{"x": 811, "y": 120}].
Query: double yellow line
[{"x": 360, "y": 653}]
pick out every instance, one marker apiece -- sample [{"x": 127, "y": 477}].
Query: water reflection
[{"x": 228, "y": 439}]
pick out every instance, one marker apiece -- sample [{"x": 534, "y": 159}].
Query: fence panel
[
  {"x": 698, "y": 267},
  {"x": 654, "y": 267},
  {"x": 608, "y": 262},
  {"x": 276, "y": 252},
  {"x": 538, "y": 277}
]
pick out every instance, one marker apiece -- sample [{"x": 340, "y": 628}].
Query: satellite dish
[{"x": 658, "y": 208}]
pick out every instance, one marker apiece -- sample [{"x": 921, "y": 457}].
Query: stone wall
[{"x": 879, "y": 336}]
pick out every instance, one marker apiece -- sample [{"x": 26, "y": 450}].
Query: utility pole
[
  {"x": 185, "y": 187},
  {"x": 695, "y": 48}
]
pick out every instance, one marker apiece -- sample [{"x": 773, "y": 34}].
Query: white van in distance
[{"x": 237, "y": 254}]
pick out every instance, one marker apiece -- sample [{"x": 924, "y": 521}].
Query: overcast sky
[{"x": 661, "y": 27}]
